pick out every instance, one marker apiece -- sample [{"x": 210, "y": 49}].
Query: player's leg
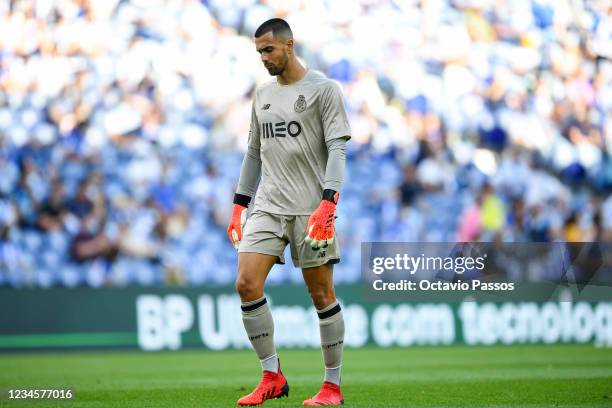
[
  {"x": 261, "y": 247},
  {"x": 317, "y": 269},
  {"x": 319, "y": 281},
  {"x": 253, "y": 268}
]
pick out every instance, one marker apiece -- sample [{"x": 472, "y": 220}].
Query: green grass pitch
[{"x": 491, "y": 377}]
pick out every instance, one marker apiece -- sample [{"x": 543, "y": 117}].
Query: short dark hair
[{"x": 277, "y": 26}]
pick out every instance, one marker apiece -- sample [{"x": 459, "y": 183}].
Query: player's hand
[
  {"x": 320, "y": 229},
  {"x": 236, "y": 224}
]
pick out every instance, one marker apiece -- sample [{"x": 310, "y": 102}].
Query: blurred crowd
[{"x": 123, "y": 124}]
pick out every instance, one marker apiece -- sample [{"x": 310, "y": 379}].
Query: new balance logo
[
  {"x": 280, "y": 129},
  {"x": 265, "y": 107}
]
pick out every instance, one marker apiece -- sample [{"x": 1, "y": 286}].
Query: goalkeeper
[{"x": 296, "y": 152}]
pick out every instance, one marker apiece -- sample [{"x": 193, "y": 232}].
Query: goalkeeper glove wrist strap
[
  {"x": 331, "y": 195},
  {"x": 242, "y": 199}
]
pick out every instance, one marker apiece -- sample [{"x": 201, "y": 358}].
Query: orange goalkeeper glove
[
  {"x": 239, "y": 216},
  {"x": 320, "y": 229}
]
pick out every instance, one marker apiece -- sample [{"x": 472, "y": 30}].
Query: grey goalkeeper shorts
[{"x": 269, "y": 234}]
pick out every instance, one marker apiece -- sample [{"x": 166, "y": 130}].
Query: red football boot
[
  {"x": 330, "y": 394},
  {"x": 272, "y": 385}
]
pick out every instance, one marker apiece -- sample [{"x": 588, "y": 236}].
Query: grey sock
[
  {"x": 270, "y": 364},
  {"x": 331, "y": 325},
  {"x": 332, "y": 375},
  {"x": 259, "y": 327}
]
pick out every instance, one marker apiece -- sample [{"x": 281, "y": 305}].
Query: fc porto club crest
[{"x": 300, "y": 104}]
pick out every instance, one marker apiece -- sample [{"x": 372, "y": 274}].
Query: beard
[{"x": 276, "y": 69}]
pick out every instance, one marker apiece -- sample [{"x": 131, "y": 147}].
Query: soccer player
[{"x": 296, "y": 152}]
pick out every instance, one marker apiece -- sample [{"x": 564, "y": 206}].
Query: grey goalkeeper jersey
[{"x": 292, "y": 127}]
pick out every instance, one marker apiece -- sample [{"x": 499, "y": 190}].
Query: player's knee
[
  {"x": 322, "y": 297},
  {"x": 247, "y": 289}
]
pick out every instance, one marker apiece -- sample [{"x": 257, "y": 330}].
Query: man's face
[{"x": 274, "y": 52}]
